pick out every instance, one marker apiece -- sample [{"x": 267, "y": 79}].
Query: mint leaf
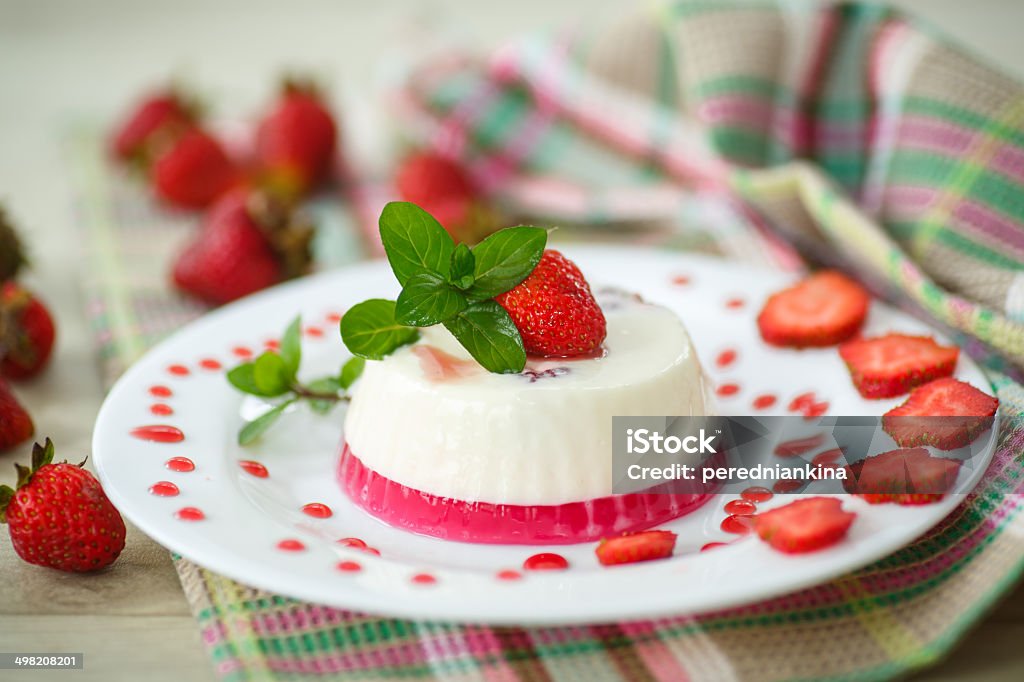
[
  {"x": 270, "y": 375},
  {"x": 461, "y": 272},
  {"x": 428, "y": 300},
  {"x": 258, "y": 426},
  {"x": 414, "y": 241},
  {"x": 505, "y": 259},
  {"x": 350, "y": 371},
  {"x": 291, "y": 348},
  {"x": 370, "y": 330},
  {"x": 490, "y": 336}
]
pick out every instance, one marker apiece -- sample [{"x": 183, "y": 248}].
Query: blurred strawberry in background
[
  {"x": 249, "y": 240},
  {"x": 193, "y": 170},
  {"x": 167, "y": 112},
  {"x": 442, "y": 188},
  {"x": 295, "y": 142},
  {"x": 27, "y": 331},
  {"x": 16, "y": 425}
]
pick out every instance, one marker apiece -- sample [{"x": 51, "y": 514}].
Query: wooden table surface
[{"x": 61, "y": 60}]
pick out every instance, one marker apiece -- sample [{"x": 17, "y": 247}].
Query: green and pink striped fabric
[{"x": 844, "y": 134}]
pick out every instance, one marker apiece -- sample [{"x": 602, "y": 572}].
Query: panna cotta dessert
[{"x": 436, "y": 444}]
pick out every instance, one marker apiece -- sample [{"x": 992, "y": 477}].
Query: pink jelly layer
[{"x": 488, "y": 523}]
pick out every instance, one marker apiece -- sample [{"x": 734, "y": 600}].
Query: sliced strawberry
[
  {"x": 905, "y": 476},
  {"x": 805, "y": 525},
  {"x": 945, "y": 413},
  {"x": 822, "y": 310},
  {"x": 890, "y": 365},
  {"x": 632, "y": 547}
]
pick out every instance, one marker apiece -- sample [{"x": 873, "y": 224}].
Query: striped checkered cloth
[{"x": 843, "y": 134}]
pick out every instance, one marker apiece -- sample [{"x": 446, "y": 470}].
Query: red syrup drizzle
[
  {"x": 349, "y": 566},
  {"x": 740, "y": 507},
  {"x": 799, "y": 446},
  {"x": 291, "y": 545},
  {"x": 160, "y": 391},
  {"x": 180, "y": 464},
  {"x": 712, "y": 545},
  {"x": 757, "y": 494},
  {"x": 317, "y": 510},
  {"x": 546, "y": 561},
  {"x": 726, "y": 357},
  {"x": 190, "y": 514},
  {"x": 738, "y": 525},
  {"x": 164, "y": 489},
  {"x": 763, "y": 402},
  {"x": 159, "y": 433},
  {"x": 424, "y": 579},
  {"x": 726, "y": 390},
  {"x": 161, "y": 410},
  {"x": 254, "y": 468}
]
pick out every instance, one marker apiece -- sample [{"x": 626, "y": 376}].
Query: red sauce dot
[
  {"x": 161, "y": 410},
  {"x": 740, "y": 507},
  {"x": 509, "y": 574},
  {"x": 757, "y": 494},
  {"x": 763, "y": 402},
  {"x": 159, "y": 433},
  {"x": 787, "y": 486},
  {"x": 291, "y": 545},
  {"x": 163, "y": 489},
  {"x": 712, "y": 545},
  {"x": 803, "y": 400},
  {"x": 242, "y": 351},
  {"x": 735, "y": 303},
  {"x": 739, "y": 525},
  {"x": 190, "y": 514},
  {"x": 816, "y": 410},
  {"x": 178, "y": 370},
  {"x": 680, "y": 280},
  {"x": 726, "y": 390},
  {"x": 352, "y": 542},
  {"x": 546, "y": 561},
  {"x": 798, "y": 446},
  {"x": 424, "y": 579},
  {"x": 271, "y": 344},
  {"x": 827, "y": 458},
  {"x": 317, "y": 510},
  {"x": 254, "y": 468},
  {"x": 349, "y": 566},
  {"x": 209, "y": 363},
  {"x": 334, "y": 317},
  {"x": 180, "y": 464},
  {"x": 371, "y": 550},
  {"x": 160, "y": 391},
  {"x": 314, "y": 332},
  {"x": 726, "y": 357}
]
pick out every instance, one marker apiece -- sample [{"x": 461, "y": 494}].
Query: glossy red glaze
[
  {"x": 739, "y": 525},
  {"x": 757, "y": 493},
  {"x": 740, "y": 507},
  {"x": 546, "y": 561},
  {"x": 317, "y": 510},
  {"x": 164, "y": 489},
  {"x": 253, "y": 468},
  {"x": 159, "y": 433},
  {"x": 182, "y": 465}
]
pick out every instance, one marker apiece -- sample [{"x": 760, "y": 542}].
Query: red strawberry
[
  {"x": 890, "y": 365},
  {"x": 441, "y": 187},
  {"x": 12, "y": 255},
  {"x": 295, "y": 143},
  {"x": 629, "y": 548},
  {"x": 59, "y": 516},
  {"x": 907, "y": 477},
  {"x": 193, "y": 171},
  {"x": 26, "y": 333},
  {"x": 162, "y": 113},
  {"x": 248, "y": 242},
  {"x": 805, "y": 525},
  {"x": 821, "y": 310},
  {"x": 945, "y": 413},
  {"x": 15, "y": 423},
  {"x": 554, "y": 310}
]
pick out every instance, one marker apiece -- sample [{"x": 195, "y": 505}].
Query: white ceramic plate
[{"x": 246, "y": 517}]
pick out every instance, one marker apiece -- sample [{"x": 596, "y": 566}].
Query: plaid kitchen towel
[{"x": 852, "y": 133}]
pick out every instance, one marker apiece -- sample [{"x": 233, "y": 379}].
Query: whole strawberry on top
[
  {"x": 15, "y": 423},
  {"x": 59, "y": 516},
  {"x": 164, "y": 113},
  {"x": 555, "y": 311},
  {"x": 296, "y": 142},
  {"x": 27, "y": 333},
  {"x": 249, "y": 241},
  {"x": 192, "y": 170}
]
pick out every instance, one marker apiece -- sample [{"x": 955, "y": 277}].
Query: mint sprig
[
  {"x": 274, "y": 374},
  {"x": 446, "y": 284}
]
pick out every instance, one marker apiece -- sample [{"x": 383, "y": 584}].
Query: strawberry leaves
[
  {"x": 444, "y": 283},
  {"x": 274, "y": 374}
]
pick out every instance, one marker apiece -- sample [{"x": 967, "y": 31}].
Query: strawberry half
[
  {"x": 630, "y": 548},
  {"x": 59, "y": 516},
  {"x": 193, "y": 171},
  {"x": 159, "y": 114},
  {"x": 555, "y": 311},
  {"x": 26, "y": 333},
  {"x": 946, "y": 413},
  {"x": 905, "y": 476},
  {"x": 891, "y": 365},
  {"x": 248, "y": 242},
  {"x": 15, "y": 423},
  {"x": 821, "y": 310},
  {"x": 806, "y": 525}
]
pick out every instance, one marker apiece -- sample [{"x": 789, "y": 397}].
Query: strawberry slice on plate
[
  {"x": 822, "y": 310},
  {"x": 945, "y": 413},
  {"x": 891, "y": 365},
  {"x": 633, "y": 547},
  {"x": 905, "y": 476},
  {"x": 805, "y": 525}
]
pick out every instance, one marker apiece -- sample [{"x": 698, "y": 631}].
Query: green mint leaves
[
  {"x": 446, "y": 284},
  {"x": 274, "y": 374}
]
